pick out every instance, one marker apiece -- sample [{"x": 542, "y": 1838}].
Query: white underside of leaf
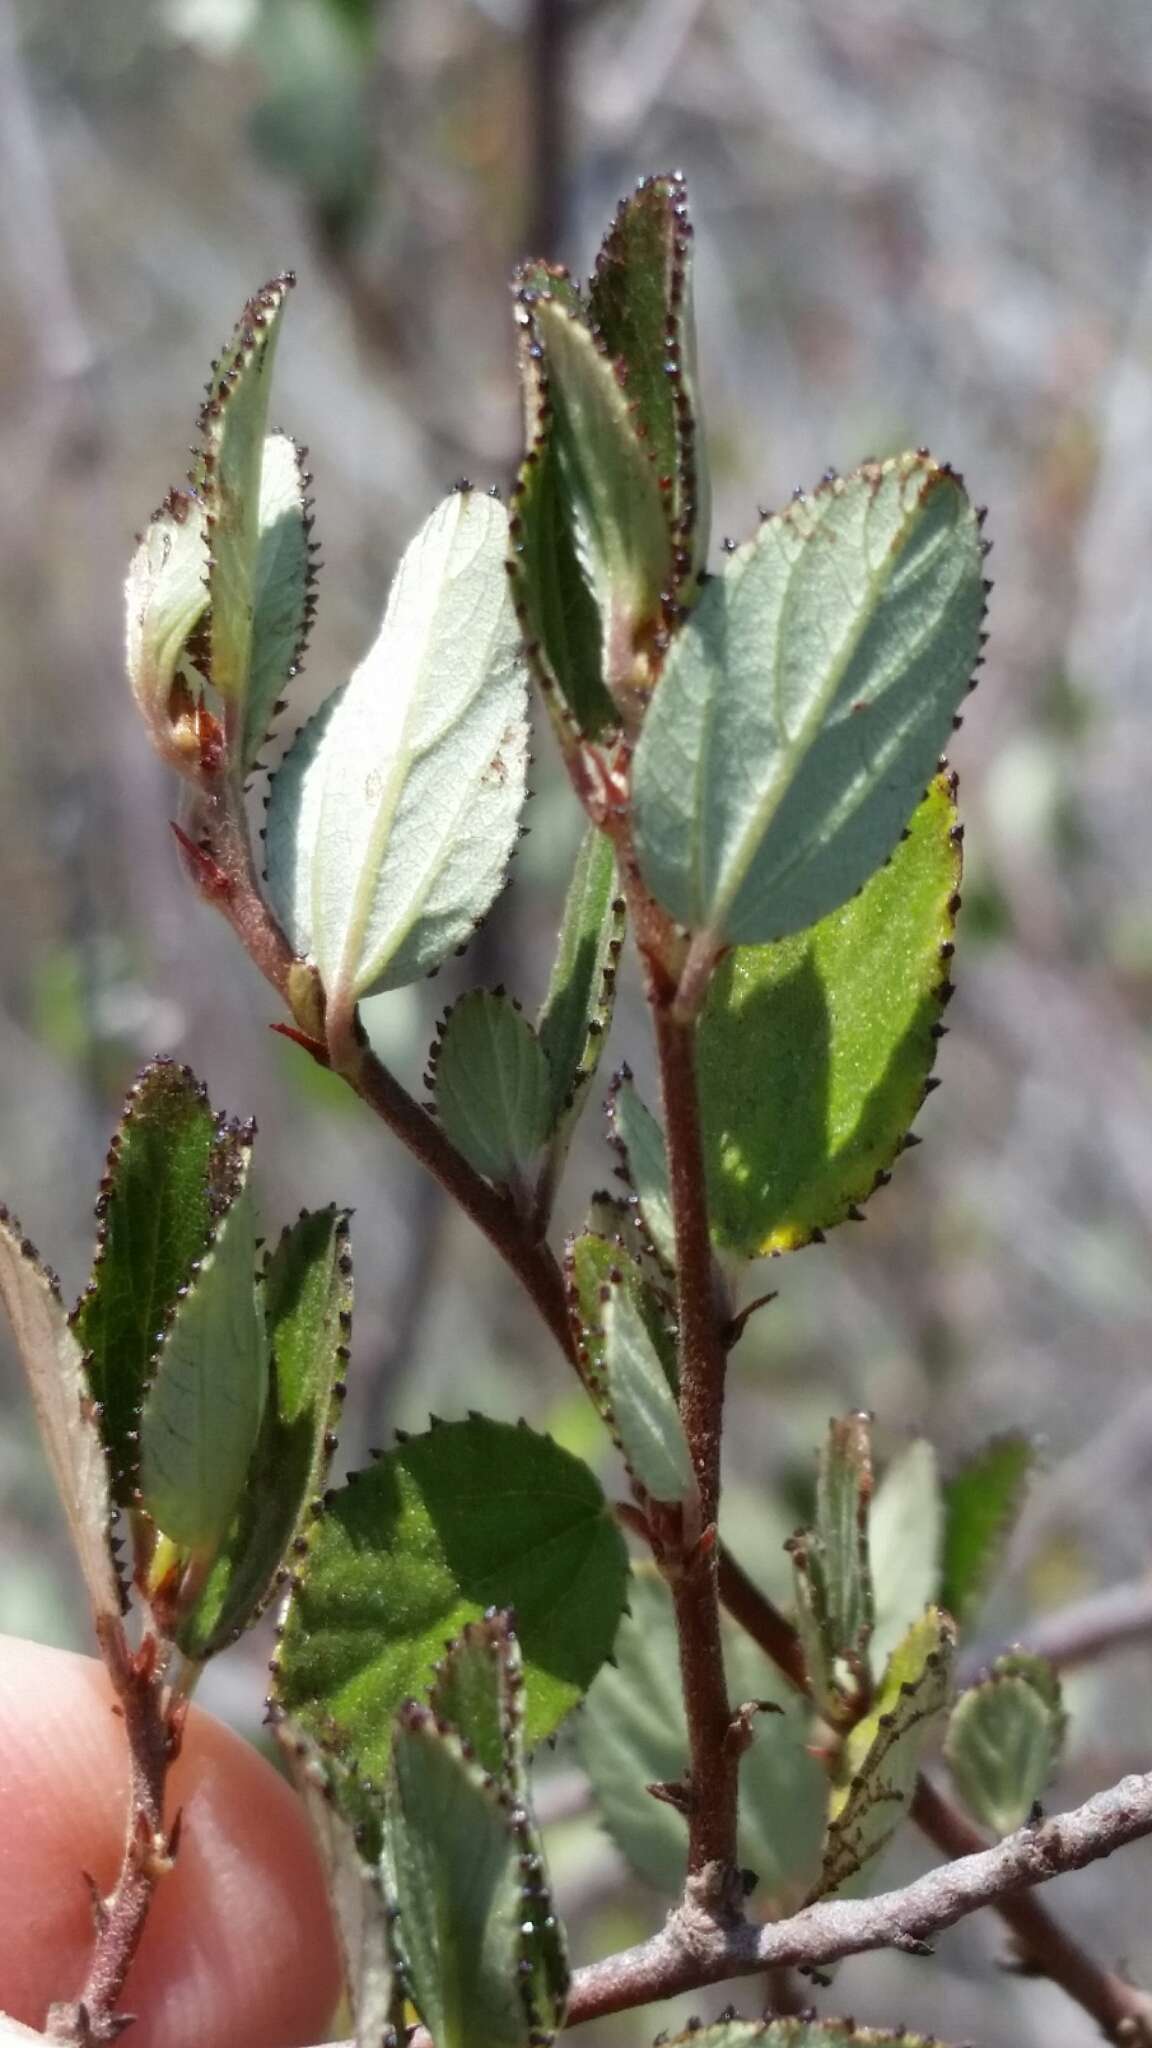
[
  {"x": 391, "y": 824},
  {"x": 53, "y": 1362}
]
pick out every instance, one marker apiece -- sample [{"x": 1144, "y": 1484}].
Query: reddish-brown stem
[
  {"x": 502, "y": 1223},
  {"x": 152, "y": 1731},
  {"x": 713, "y": 1755},
  {"x": 1122, "y": 2012}
]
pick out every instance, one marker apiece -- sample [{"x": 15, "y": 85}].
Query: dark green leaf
[
  {"x": 576, "y": 1013},
  {"x": 632, "y": 1734},
  {"x": 981, "y": 1503},
  {"x": 308, "y": 1314},
  {"x": 232, "y": 428},
  {"x": 802, "y": 707},
  {"x": 492, "y": 1085},
  {"x": 202, "y": 1412},
  {"x": 640, "y": 300},
  {"x": 155, "y": 1217},
  {"x": 814, "y": 1054},
  {"x": 473, "y": 1515},
  {"x": 1003, "y": 1744},
  {"x": 468, "y": 1915},
  {"x": 609, "y": 482},
  {"x": 478, "y": 1690}
]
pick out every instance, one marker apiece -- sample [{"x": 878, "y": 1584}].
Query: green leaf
[
  {"x": 492, "y": 1085},
  {"x": 155, "y": 1216},
  {"x": 804, "y": 2033},
  {"x": 478, "y": 1690},
  {"x": 475, "y": 1514},
  {"x": 610, "y": 484},
  {"x": 643, "y": 1407},
  {"x": 814, "y": 1054},
  {"x": 1004, "y": 1741},
  {"x": 232, "y": 426},
  {"x": 639, "y": 1140},
  {"x": 881, "y": 1756},
  {"x": 308, "y": 1318},
  {"x": 165, "y": 600},
  {"x": 283, "y": 596},
  {"x": 202, "y": 1412},
  {"x": 556, "y": 610},
  {"x": 53, "y": 1363},
  {"x": 981, "y": 1504},
  {"x": 640, "y": 300},
  {"x": 834, "y": 1606},
  {"x": 905, "y": 1529},
  {"x": 632, "y": 1734},
  {"x": 392, "y": 820},
  {"x": 576, "y": 1013},
  {"x": 803, "y": 706},
  {"x": 468, "y": 1916},
  {"x": 594, "y": 1265},
  {"x": 332, "y": 1801}
]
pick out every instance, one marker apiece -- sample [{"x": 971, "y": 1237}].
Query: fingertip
[{"x": 239, "y": 1942}]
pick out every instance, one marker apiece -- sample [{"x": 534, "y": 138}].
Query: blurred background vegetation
[{"x": 915, "y": 224}]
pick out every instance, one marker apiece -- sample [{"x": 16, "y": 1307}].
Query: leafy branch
[{"x": 757, "y": 753}]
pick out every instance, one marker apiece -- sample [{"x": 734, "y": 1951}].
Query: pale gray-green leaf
[
  {"x": 282, "y": 583},
  {"x": 165, "y": 599},
  {"x": 905, "y": 1541},
  {"x": 632, "y": 1734},
  {"x": 881, "y": 1756},
  {"x": 834, "y": 1599},
  {"x": 1003, "y": 1745},
  {"x": 492, "y": 1085},
  {"x": 391, "y": 823},
  {"x": 53, "y": 1362},
  {"x": 803, "y": 706},
  {"x": 201, "y": 1415},
  {"x": 640, "y": 1143},
  {"x": 644, "y": 1412},
  {"x": 577, "y": 1010}
]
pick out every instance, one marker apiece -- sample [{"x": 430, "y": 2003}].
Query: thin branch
[
  {"x": 152, "y": 1728},
  {"x": 713, "y": 1755},
  {"x": 1079, "y": 1633},
  {"x": 693, "y": 1950},
  {"x": 1044, "y": 1945},
  {"x": 532, "y": 1261}
]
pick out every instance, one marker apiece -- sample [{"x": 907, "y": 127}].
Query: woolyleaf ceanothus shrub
[{"x": 756, "y": 747}]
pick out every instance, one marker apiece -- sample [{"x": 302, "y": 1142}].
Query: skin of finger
[{"x": 239, "y": 1946}]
